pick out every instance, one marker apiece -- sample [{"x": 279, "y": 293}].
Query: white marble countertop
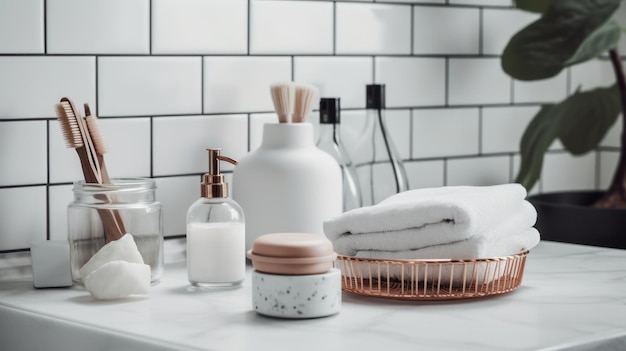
[{"x": 572, "y": 298}]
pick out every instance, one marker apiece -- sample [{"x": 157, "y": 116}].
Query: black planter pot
[{"x": 568, "y": 217}]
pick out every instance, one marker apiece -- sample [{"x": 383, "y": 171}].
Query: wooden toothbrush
[
  {"x": 75, "y": 134},
  {"x": 100, "y": 149},
  {"x": 77, "y": 137}
]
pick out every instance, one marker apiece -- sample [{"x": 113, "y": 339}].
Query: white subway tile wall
[
  {"x": 169, "y": 78},
  {"x": 24, "y": 17},
  {"x": 20, "y": 142},
  {"x": 429, "y": 20},
  {"x": 149, "y": 85},
  {"x": 499, "y": 25},
  {"x": 241, "y": 84},
  {"x": 98, "y": 27},
  {"x": 446, "y": 132},
  {"x": 337, "y": 76},
  {"x": 374, "y": 29},
  {"x": 412, "y": 81},
  {"x": 176, "y": 195},
  {"x": 502, "y": 127},
  {"x": 31, "y": 85},
  {"x": 23, "y": 216},
  {"x": 177, "y": 25},
  {"x": 474, "y": 81},
  {"x": 487, "y": 170},
  {"x": 425, "y": 174},
  {"x": 280, "y": 27},
  {"x": 179, "y": 143},
  {"x": 562, "y": 171}
]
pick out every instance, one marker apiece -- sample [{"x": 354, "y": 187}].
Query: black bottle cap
[
  {"x": 375, "y": 96},
  {"x": 330, "y": 110}
]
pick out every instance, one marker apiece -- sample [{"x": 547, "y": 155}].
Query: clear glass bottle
[
  {"x": 128, "y": 202},
  {"x": 330, "y": 141},
  {"x": 376, "y": 149},
  {"x": 215, "y": 232}
]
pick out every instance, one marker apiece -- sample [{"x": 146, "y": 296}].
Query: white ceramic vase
[{"x": 287, "y": 184}]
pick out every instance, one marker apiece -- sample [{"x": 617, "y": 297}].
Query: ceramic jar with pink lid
[{"x": 294, "y": 276}]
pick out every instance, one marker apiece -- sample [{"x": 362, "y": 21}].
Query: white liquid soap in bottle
[{"x": 215, "y": 232}]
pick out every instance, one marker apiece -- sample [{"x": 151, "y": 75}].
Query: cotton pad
[
  {"x": 118, "y": 279},
  {"x": 123, "y": 249}
]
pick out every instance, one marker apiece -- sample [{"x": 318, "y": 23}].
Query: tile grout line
[
  {"x": 202, "y": 63},
  {"x": 412, "y": 30},
  {"x": 334, "y": 28},
  {"x": 481, "y": 31},
  {"x": 446, "y": 98},
  {"x": 151, "y": 118},
  {"x": 150, "y": 13},
  {"x": 411, "y": 126},
  {"x": 45, "y": 50},
  {"x": 48, "y": 180},
  {"x": 249, "y": 30},
  {"x": 151, "y": 127},
  {"x": 45, "y": 26},
  {"x": 480, "y": 130},
  {"x": 512, "y": 167}
]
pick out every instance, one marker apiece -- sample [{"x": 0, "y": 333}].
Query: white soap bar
[
  {"x": 118, "y": 279},
  {"x": 123, "y": 249},
  {"x": 51, "y": 263}
]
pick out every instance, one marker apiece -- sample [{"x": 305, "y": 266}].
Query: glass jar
[{"x": 127, "y": 203}]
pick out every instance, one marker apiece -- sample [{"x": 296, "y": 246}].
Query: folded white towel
[
  {"x": 475, "y": 247},
  {"x": 433, "y": 216}
]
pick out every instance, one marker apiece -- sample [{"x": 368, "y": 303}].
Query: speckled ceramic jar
[
  {"x": 297, "y": 296},
  {"x": 293, "y": 276}
]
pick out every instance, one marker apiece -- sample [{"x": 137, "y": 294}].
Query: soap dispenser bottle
[{"x": 215, "y": 232}]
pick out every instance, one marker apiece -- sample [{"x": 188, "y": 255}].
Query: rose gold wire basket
[{"x": 431, "y": 279}]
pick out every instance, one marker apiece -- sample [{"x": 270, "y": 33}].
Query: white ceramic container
[{"x": 287, "y": 184}]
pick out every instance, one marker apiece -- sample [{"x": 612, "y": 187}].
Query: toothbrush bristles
[
  {"x": 96, "y": 135},
  {"x": 283, "y": 96},
  {"x": 306, "y": 94},
  {"x": 69, "y": 125}
]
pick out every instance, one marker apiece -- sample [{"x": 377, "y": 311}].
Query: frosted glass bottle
[
  {"x": 330, "y": 142},
  {"x": 215, "y": 233},
  {"x": 287, "y": 184}
]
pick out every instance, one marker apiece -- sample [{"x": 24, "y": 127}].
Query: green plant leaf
[
  {"x": 538, "y": 136},
  {"x": 538, "y": 6},
  {"x": 585, "y": 117},
  {"x": 601, "y": 40},
  {"x": 541, "y": 49}
]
